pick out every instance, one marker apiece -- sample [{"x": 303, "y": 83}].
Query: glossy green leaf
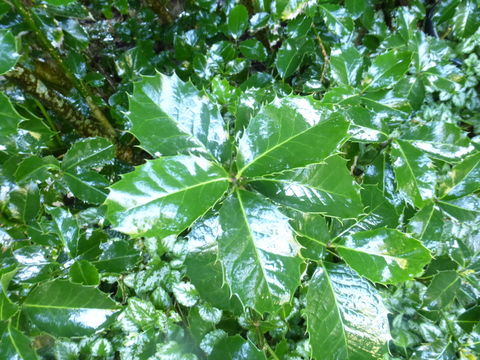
[
  {"x": 428, "y": 226},
  {"x": 442, "y": 290},
  {"x": 367, "y": 126},
  {"x": 463, "y": 178},
  {"x": 466, "y": 208},
  {"x": 253, "y": 49},
  {"x": 35, "y": 168},
  {"x": 440, "y": 140},
  {"x": 25, "y": 202},
  {"x": 414, "y": 173},
  {"x": 466, "y": 19},
  {"x": 468, "y": 319},
  {"x": 236, "y": 347},
  {"x": 289, "y": 133},
  {"x": 9, "y": 124},
  {"x": 387, "y": 69},
  {"x": 338, "y": 21},
  {"x": 258, "y": 251},
  {"x": 7, "y": 307},
  {"x": 59, "y": 2},
  {"x": 312, "y": 231},
  {"x": 237, "y": 21},
  {"x": 35, "y": 264},
  {"x": 390, "y": 102},
  {"x": 61, "y": 308},
  {"x": 66, "y": 228},
  {"x": 186, "y": 120},
  {"x": 385, "y": 256},
  {"x": 356, "y": 7},
  {"x": 83, "y": 272},
  {"x": 8, "y": 51},
  {"x": 290, "y": 56},
  {"x": 117, "y": 256},
  {"x": 203, "y": 267},
  {"x": 321, "y": 188},
  {"x": 165, "y": 196},
  {"x": 346, "y": 318},
  {"x": 14, "y": 345},
  {"x": 346, "y": 65},
  {"x": 88, "y": 186},
  {"x": 92, "y": 152}
]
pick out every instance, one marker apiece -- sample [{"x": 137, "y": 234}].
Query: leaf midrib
[
  {"x": 257, "y": 256},
  {"x": 75, "y": 164},
  {"x": 175, "y": 192},
  {"x": 337, "y": 308},
  {"x": 276, "y": 146}
]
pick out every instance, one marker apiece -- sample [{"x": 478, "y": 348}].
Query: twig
[
  {"x": 78, "y": 84},
  {"x": 326, "y": 59}
]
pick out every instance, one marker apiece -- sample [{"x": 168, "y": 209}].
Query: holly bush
[{"x": 249, "y": 180}]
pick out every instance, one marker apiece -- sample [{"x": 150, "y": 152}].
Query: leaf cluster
[{"x": 239, "y": 180}]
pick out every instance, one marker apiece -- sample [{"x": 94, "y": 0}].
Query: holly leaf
[
  {"x": 463, "y": 179},
  {"x": 186, "y": 120},
  {"x": 289, "y": 133},
  {"x": 442, "y": 290},
  {"x": 61, "y": 308},
  {"x": 203, "y": 267},
  {"x": 8, "y": 51},
  {"x": 346, "y": 65},
  {"x": 324, "y": 188},
  {"x": 9, "y": 124},
  {"x": 387, "y": 69},
  {"x": 346, "y": 318},
  {"x": 236, "y": 347},
  {"x": 88, "y": 153},
  {"x": 14, "y": 344},
  {"x": 385, "y": 256},
  {"x": 237, "y": 21},
  {"x": 165, "y": 196},
  {"x": 258, "y": 251},
  {"x": 414, "y": 173}
]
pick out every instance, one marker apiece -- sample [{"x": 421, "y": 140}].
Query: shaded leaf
[
  {"x": 8, "y": 51},
  {"x": 35, "y": 168},
  {"x": 463, "y": 178},
  {"x": 236, "y": 347},
  {"x": 83, "y": 272},
  {"x": 237, "y": 21},
  {"x": 442, "y": 290},
  {"x": 14, "y": 345}
]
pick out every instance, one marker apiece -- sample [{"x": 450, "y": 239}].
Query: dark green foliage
[{"x": 239, "y": 180}]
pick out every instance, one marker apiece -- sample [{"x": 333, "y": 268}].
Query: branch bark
[{"x": 53, "y": 100}]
